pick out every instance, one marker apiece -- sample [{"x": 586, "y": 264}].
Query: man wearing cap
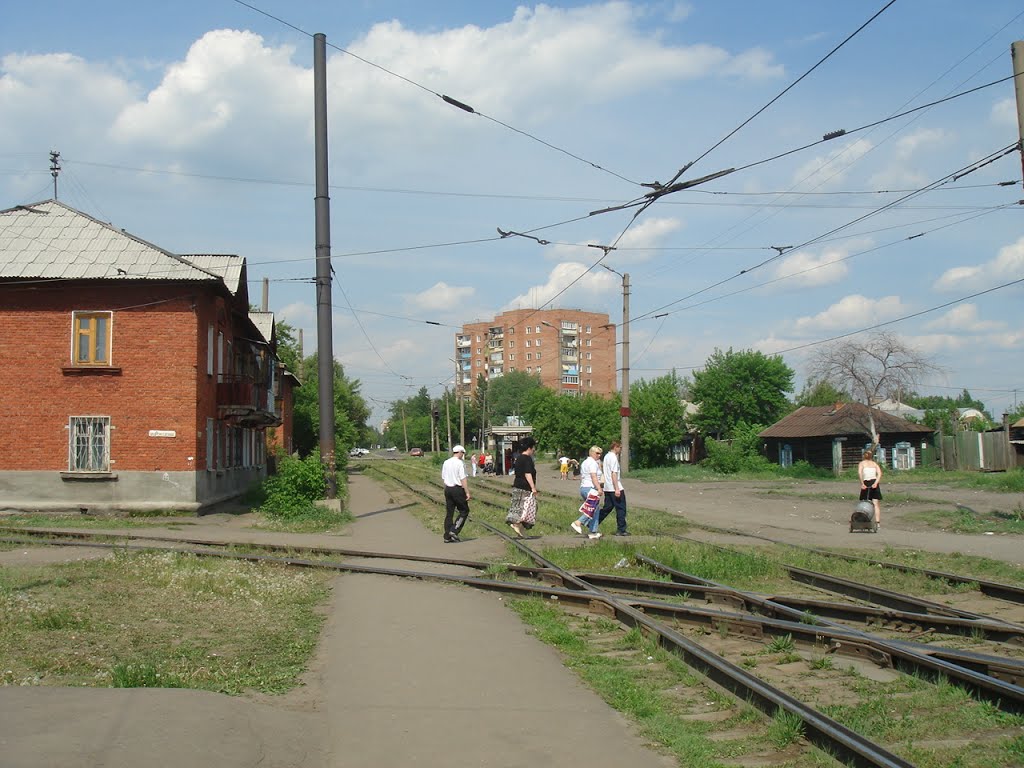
[{"x": 456, "y": 493}]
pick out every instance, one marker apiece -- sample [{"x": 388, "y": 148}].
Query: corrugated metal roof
[
  {"x": 53, "y": 240},
  {"x": 228, "y": 267},
  {"x": 839, "y": 419},
  {"x": 264, "y": 322}
]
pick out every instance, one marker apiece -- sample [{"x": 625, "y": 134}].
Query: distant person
[
  {"x": 614, "y": 493},
  {"x": 472, "y": 463},
  {"x": 456, "y": 494},
  {"x": 870, "y": 475},
  {"x": 522, "y": 512},
  {"x": 590, "y": 481},
  {"x": 563, "y": 467}
]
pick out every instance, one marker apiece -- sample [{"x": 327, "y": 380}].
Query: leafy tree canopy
[
  {"x": 657, "y": 422},
  {"x": 740, "y": 386},
  {"x": 507, "y": 395},
  {"x": 818, "y": 393},
  {"x": 350, "y": 409},
  {"x": 570, "y": 425}
]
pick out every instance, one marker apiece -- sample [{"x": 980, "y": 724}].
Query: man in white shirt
[
  {"x": 456, "y": 494},
  {"x": 614, "y": 493}
]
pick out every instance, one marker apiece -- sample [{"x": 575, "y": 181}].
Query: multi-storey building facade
[
  {"x": 142, "y": 380},
  {"x": 571, "y": 351}
]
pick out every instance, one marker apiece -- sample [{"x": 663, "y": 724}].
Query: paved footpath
[{"x": 408, "y": 673}]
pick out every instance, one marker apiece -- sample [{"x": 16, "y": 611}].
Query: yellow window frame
[{"x": 91, "y": 332}]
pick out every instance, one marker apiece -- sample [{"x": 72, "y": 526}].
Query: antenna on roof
[{"x": 54, "y": 169}]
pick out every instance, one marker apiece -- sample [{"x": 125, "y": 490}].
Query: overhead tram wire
[
  {"x": 874, "y": 327},
  {"x": 366, "y": 335},
  {"x": 662, "y": 316},
  {"x": 781, "y": 250},
  {"x": 782, "y": 93},
  {"x": 447, "y": 99}
]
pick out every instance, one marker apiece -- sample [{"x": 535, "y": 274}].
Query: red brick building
[
  {"x": 142, "y": 380},
  {"x": 571, "y": 351}
]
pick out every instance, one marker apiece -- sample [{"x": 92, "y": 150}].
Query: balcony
[{"x": 247, "y": 403}]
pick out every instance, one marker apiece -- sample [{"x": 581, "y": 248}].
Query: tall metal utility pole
[
  {"x": 624, "y": 458},
  {"x": 324, "y": 334},
  {"x": 448, "y": 417},
  {"x": 1017, "y": 54}
]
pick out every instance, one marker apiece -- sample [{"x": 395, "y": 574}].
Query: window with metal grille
[
  {"x": 89, "y": 444},
  {"x": 91, "y": 337}
]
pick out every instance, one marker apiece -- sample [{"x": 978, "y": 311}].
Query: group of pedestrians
[{"x": 600, "y": 480}]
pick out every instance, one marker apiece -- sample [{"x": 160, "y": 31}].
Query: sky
[{"x": 190, "y": 125}]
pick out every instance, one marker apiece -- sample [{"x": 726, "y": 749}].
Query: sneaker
[
  {"x": 515, "y": 527},
  {"x": 623, "y": 533},
  {"x": 594, "y": 535},
  {"x": 449, "y": 540},
  {"x": 577, "y": 527}
]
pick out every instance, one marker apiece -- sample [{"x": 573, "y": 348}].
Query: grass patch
[
  {"x": 963, "y": 520},
  {"x": 159, "y": 618}
]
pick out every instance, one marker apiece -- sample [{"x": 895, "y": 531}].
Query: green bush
[
  {"x": 807, "y": 471},
  {"x": 289, "y": 494},
  {"x": 729, "y": 459}
]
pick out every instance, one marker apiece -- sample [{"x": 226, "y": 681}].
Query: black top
[{"x": 524, "y": 466}]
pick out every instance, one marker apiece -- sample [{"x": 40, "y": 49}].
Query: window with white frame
[
  {"x": 590, "y": 382},
  {"x": 89, "y": 444},
  {"x": 537, "y": 329},
  {"x": 529, "y": 369},
  {"x": 529, "y": 329},
  {"x": 529, "y": 355},
  {"x": 529, "y": 343},
  {"x": 588, "y": 342},
  {"x": 538, "y": 355},
  {"x": 512, "y": 357},
  {"x": 537, "y": 343},
  {"x": 512, "y": 343},
  {"x": 588, "y": 329},
  {"x": 589, "y": 370},
  {"x": 91, "y": 332},
  {"x": 588, "y": 355},
  {"x": 209, "y": 349},
  {"x": 538, "y": 369}
]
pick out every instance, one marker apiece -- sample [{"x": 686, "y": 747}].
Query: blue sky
[{"x": 190, "y": 125}]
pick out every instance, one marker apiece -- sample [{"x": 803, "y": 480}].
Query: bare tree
[{"x": 871, "y": 369}]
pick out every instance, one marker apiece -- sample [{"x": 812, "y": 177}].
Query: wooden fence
[{"x": 987, "y": 451}]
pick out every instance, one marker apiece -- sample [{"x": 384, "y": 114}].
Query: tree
[
  {"x": 740, "y": 386},
  {"x": 569, "y": 424},
  {"x": 874, "y": 368},
  {"x": 507, "y": 395},
  {"x": 817, "y": 393},
  {"x": 350, "y": 409},
  {"x": 287, "y": 346},
  {"x": 657, "y": 422}
]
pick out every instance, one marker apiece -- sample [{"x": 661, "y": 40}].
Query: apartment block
[{"x": 572, "y": 351}]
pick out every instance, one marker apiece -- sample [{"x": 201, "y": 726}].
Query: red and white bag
[{"x": 589, "y": 507}]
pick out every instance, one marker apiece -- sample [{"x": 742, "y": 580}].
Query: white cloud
[
  {"x": 298, "y": 314},
  {"x": 1007, "y": 265},
  {"x": 804, "y": 269},
  {"x": 852, "y": 312},
  {"x": 679, "y": 12},
  {"x": 585, "y": 287},
  {"x": 1004, "y": 112},
  {"x": 440, "y": 296},
  {"x": 964, "y": 318},
  {"x": 920, "y": 139},
  {"x": 829, "y": 170}
]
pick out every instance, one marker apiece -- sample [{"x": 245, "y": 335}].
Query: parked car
[
  {"x": 392, "y": 449},
  {"x": 416, "y": 452}
]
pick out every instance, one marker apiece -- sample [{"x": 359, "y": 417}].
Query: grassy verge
[
  {"x": 965, "y": 521},
  {"x": 159, "y": 619}
]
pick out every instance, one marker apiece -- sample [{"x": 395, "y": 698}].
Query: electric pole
[
  {"x": 322, "y": 206},
  {"x": 448, "y": 417},
  {"x": 54, "y": 169},
  {"x": 405, "y": 432},
  {"x": 1017, "y": 54},
  {"x": 624, "y": 458}
]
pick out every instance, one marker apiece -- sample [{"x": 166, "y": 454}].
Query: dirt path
[{"x": 408, "y": 673}]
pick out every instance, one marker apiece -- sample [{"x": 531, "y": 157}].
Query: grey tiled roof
[
  {"x": 227, "y": 267},
  {"x": 53, "y": 240},
  {"x": 839, "y": 419}
]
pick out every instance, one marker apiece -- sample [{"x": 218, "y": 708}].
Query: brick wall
[{"x": 156, "y": 381}]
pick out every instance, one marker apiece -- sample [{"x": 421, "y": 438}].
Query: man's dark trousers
[
  {"x": 619, "y": 505},
  {"x": 454, "y": 498}
]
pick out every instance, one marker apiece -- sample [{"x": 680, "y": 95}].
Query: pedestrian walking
[
  {"x": 472, "y": 464},
  {"x": 590, "y": 481},
  {"x": 870, "y": 474},
  {"x": 522, "y": 512},
  {"x": 456, "y": 494},
  {"x": 563, "y": 467},
  {"x": 614, "y": 493}
]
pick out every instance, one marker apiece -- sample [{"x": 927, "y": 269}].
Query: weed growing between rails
[{"x": 159, "y": 619}]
